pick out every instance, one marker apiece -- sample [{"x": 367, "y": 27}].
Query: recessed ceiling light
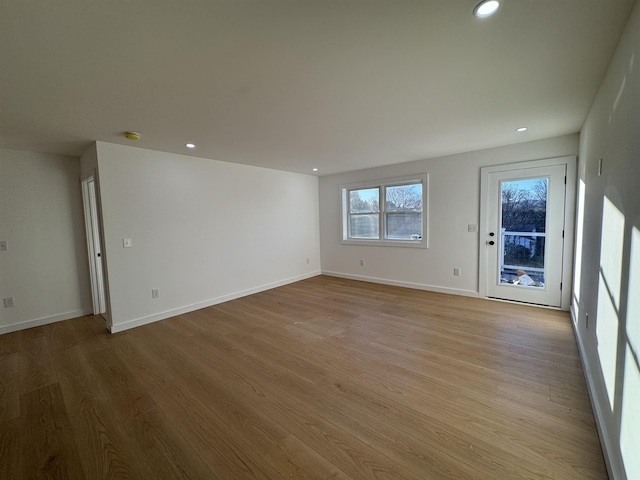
[
  {"x": 315, "y": 169},
  {"x": 521, "y": 129},
  {"x": 486, "y": 8},
  {"x": 190, "y": 145}
]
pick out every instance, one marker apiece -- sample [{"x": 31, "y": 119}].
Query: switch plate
[
  {"x": 126, "y": 243},
  {"x": 362, "y": 262},
  {"x": 3, "y": 245},
  {"x": 472, "y": 227},
  {"x": 456, "y": 271},
  {"x": 8, "y": 302},
  {"x": 155, "y": 293}
]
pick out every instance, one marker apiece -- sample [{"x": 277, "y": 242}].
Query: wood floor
[{"x": 322, "y": 379}]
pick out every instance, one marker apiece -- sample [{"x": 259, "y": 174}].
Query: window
[{"x": 388, "y": 212}]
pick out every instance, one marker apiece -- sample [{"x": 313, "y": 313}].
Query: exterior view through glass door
[{"x": 525, "y": 214}]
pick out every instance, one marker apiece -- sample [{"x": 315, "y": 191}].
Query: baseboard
[
  {"x": 615, "y": 468},
  {"x": 138, "y": 322},
  {"x": 397, "y": 283},
  {"x": 38, "y": 322}
]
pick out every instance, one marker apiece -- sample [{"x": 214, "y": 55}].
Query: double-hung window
[{"x": 388, "y": 212}]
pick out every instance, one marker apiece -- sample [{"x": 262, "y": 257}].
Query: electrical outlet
[
  {"x": 3, "y": 245},
  {"x": 456, "y": 271},
  {"x": 126, "y": 243},
  {"x": 155, "y": 293},
  {"x": 362, "y": 262},
  {"x": 8, "y": 302},
  {"x": 472, "y": 227}
]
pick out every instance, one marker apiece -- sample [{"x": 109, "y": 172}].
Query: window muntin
[{"x": 387, "y": 212}]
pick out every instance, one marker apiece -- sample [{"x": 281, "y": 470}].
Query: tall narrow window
[{"x": 389, "y": 212}]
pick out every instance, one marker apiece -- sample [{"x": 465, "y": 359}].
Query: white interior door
[
  {"x": 523, "y": 234},
  {"x": 92, "y": 227}
]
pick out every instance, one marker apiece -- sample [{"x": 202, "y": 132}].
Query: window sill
[{"x": 386, "y": 243}]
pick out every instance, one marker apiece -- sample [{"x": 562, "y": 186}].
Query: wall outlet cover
[
  {"x": 3, "y": 245},
  {"x": 8, "y": 302}
]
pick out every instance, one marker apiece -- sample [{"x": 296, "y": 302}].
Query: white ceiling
[{"x": 295, "y": 84}]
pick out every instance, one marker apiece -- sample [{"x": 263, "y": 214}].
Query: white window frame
[{"x": 382, "y": 184}]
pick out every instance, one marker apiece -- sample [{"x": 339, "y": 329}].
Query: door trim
[
  {"x": 569, "y": 221},
  {"x": 94, "y": 245}
]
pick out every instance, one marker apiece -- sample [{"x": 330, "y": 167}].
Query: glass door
[{"x": 525, "y": 218}]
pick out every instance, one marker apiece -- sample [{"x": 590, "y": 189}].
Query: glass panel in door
[{"x": 523, "y": 232}]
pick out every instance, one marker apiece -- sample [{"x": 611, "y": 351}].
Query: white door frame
[
  {"x": 94, "y": 248},
  {"x": 569, "y": 221}
]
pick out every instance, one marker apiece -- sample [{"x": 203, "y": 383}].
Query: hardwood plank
[
  {"x": 48, "y": 447},
  {"x": 296, "y": 460},
  {"x": 323, "y": 378},
  {"x": 10, "y": 456},
  {"x": 9, "y": 387},
  {"x": 103, "y": 444},
  {"x": 35, "y": 362},
  {"x": 357, "y": 458},
  {"x": 203, "y": 414},
  {"x": 119, "y": 384}
]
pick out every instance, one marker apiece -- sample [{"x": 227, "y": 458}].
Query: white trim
[
  {"x": 94, "y": 242},
  {"x": 615, "y": 467},
  {"x": 138, "y": 322},
  {"x": 399, "y": 283},
  {"x": 38, "y": 322}
]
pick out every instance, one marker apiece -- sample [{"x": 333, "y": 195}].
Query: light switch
[
  {"x": 472, "y": 227},
  {"x": 126, "y": 243},
  {"x": 3, "y": 245}
]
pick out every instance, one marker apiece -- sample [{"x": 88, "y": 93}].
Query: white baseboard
[
  {"x": 398, "y": 283},
  {"x": 38, "y": 322},
  {"x": 611, "y": 452},
  {"x": 138, "y": 322}
]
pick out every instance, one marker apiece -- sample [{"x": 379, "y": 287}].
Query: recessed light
[
  {"x": 190, "y": 145},
  {"x": 521, "y": 129},
  {"x": 315, "y": 169},
  {"x": 486, "y": 8}
]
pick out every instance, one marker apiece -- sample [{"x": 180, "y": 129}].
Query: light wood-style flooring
[{"x": 322, "y": 379}]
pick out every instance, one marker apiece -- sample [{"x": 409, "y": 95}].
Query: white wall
[
  {"x": 607, "y": 276},
  {"x": 45, "y": 267},
  {"x": 454, "y": 202},
  {"x": 202, "y": 231}
]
